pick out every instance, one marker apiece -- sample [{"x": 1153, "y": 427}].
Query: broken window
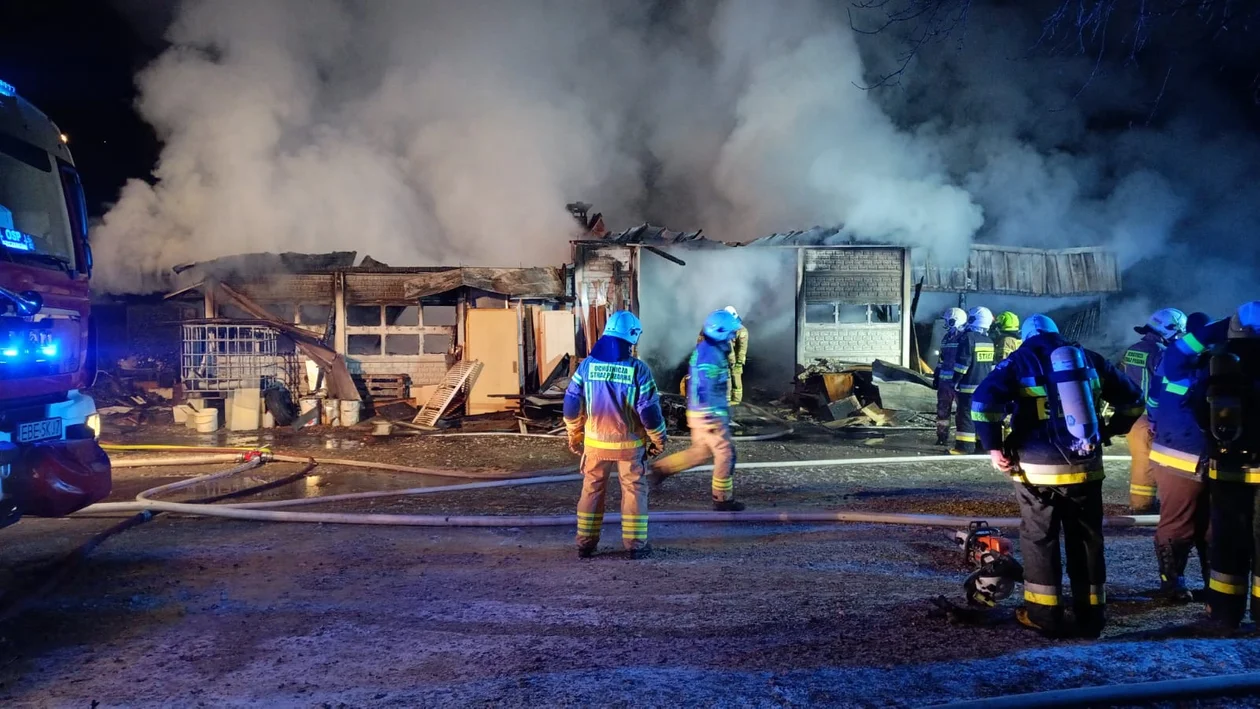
[
  {"x": 402, "y": 315},
  {"x": 227, "y": 310},
  {"x": 820, "y": 313},
  {"x": 438, "y": 344},
  {"x": 852, "y": 314},
  {"x": 402, "y": 344},
  {"x": 363, "y": 315},
  {"x": 439, "y": 316},
  {"x": 886, "y": 314},
  {"x": 363, "y": 344},
  {"x": 314, "y": 314},
  {"x": 281, "y": 311}
]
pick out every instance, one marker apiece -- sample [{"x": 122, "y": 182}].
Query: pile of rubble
[{"x": 858, "y": 397}]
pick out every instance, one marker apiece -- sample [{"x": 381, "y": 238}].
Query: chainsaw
[{"x": 996, "y": 570}]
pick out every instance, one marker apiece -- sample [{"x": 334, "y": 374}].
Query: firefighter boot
[
  {"x": 1046, "y": 630},
  {"x": 942, "y": 432},
  {"x": 586, "y": 551},
  {"x": 1172, "y": 569},
  {"x": 642, "y": 552},
  {"x": 728, "y": 506}
]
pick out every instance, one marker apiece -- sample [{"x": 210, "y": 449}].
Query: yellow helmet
[{"x": 1007, "y": 321}]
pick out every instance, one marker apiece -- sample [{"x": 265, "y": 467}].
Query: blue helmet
[
  {"x": 1036, "y": 324},
  {"x": 623, "y": 325},
  {"x": 721, "y": 325},
  {"x": 1245, "y": 323}
]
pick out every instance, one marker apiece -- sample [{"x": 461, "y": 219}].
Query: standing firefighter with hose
[
  {"x": 1141, "y": 362},
  {"x": 1178, "y": 462},
  {"x": 708, "y": 413},
  {"x": 1054, "y": 457},
  {"x": 1233, "y": 420},
  {"x": 612, "y": 413},
  {"x": 955, "y": 320},
  {"x": 737, "y": 357},
  {"x": 973, "y": 363}
]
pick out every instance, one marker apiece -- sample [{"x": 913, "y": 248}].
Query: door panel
[{"x": 491, "y": 338}]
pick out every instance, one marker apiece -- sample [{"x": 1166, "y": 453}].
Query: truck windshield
[{"x": 33, "y": 214}]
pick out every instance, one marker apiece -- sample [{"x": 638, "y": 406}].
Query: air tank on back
[{"x": 1076, "y": 398}]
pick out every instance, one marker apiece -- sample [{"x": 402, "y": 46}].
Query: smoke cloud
[{"x": 431, "y": 132}]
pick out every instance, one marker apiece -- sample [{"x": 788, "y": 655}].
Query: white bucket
[
  {"x": 207, "y": 421},
  {"x": 308, "y": 403},
  {"x": 332, "y": 412},
  {"x": 350, "y": 412}
]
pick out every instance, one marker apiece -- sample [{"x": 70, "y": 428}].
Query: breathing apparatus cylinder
[
  {"x": 1076, "y": 398},
  {"x": 1224, "y": 399}
]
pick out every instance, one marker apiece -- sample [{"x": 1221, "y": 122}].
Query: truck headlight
[{"x": 94, "y": 422}]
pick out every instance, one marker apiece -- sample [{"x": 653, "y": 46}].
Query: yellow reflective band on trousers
[
  {"x": 1227, "y": 584},
  {"x": 1175, "y": 459},
  {"x": 634, "y": 526},
  {"x": 589, "y": 523},
  {"x": 965, "y": 437},
  {"x": 724, "y": 484},
  {"x": 1142, "y": 490},
  {"x": 1255, "y": 587},
  {"x": 1097, "y": 595},
  {"x": 1054, "y": 475},
  {"x": 1251, "y": 476},
  {"x": 1041, "y": 595}
]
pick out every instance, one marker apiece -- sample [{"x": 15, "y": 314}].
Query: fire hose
[{"x": 268, "y": 513}]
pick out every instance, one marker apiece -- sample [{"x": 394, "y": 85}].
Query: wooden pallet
[
  {"x": 383, "y": 386},
  {"x": 458, "y": 378}
]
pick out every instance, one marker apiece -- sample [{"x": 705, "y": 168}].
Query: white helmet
[
  {"x": 1168, "y": 323},
  {"x": 954, "y": 318},
  {"x": 980, "y": 319},
  {"x": 731, "y": 309}
]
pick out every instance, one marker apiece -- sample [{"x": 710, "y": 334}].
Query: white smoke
[{"x": 431, "y": 132}]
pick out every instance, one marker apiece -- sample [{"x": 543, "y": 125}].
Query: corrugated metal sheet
[
  {"x": 1021, "y": 271},
  {"x": 289, "y": 288}
]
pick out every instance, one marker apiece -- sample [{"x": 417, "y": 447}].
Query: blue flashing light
[
  {"x": 6, "y": 89},
  {"x": 48, "y": 350},
  {"x": 16, "y": 240},
  {"x": 10, "y": 352}
]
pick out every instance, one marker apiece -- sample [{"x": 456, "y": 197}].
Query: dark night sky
[{"x": 76, "y": 60}]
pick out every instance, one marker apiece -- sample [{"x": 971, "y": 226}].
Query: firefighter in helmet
[
  {"x": 972, "y": 364},
  {"x": 955, "y": 320},
  {"x": 1005, "y": 335},
  {"x": 1141, "y": 360}
]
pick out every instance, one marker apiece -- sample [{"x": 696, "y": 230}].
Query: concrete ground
[{"x": 209, "y": 612}]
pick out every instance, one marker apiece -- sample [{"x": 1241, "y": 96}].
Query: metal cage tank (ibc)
[{"x": 218, "y": 357}]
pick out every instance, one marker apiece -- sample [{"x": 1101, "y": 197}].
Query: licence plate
[{"x": 33, "y": 431}]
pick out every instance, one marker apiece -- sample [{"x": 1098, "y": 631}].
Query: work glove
[{"x": 577, "y": 441}]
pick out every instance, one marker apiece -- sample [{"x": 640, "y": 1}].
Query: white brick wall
[
  {"x": 853, "y": 343},
  {"x": 423, "y": 369}
]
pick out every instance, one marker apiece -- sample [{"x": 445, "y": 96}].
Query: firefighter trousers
[
  {"x": 1234, "y": 548},
  {"x": 710, "y": 438},
  {"x": 634, "y": 501},
  {"x": 1142, "y": 483},
  {"x": 1183, "y": 522},
  {"x": 944, "y": 404},
  {"x": 1077, "y": 511},
  {"x": 965, "y": 435},
  {"x": 735, "y": 385}
]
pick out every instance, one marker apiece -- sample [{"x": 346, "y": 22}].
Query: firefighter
[
  {"x": 955, "y": 322},
  {"x": 1233, "y": 419},
  {"x": 1005, "y": 335},
  {"x": 612, "y": 414},
  {"x": 1140, "y": 363},
  {"x": 972, "y": 364},
  {"x": 1178, "y": 462},
  {"x": 736, "y": 358},
  {"x": 708, "y": 413},
  {"x": 1054, "y": 456}
]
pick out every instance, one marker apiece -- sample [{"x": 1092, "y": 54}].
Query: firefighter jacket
[
  {"x": 739, "y": 349},
  {"x": 1021, "y": 382},
  {"x": 707, "y": 375},
  {"x": 1141, "y": 361},
  {"x": 973, "y": 361},
  {"x": 949, "y": 355},
  {"x": 1004, "y": 344},
  {"x": 612, "y": 397},
  {"x": 1228, "y": 462},
  {"x": 1174, "y": 409}
]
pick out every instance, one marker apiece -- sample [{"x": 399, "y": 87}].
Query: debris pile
[{"x": 858, "y": 397}]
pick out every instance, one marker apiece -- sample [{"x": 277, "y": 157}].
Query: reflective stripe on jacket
[
  {"x": 1141, "y": 361},
  {"x": 708, "y": 372},
  {"x": 612, "y": 398},
  {"x": 1021, "y": 382},
  {"x": 949, "y": 355},
  {"x": 974, "y": 361}
]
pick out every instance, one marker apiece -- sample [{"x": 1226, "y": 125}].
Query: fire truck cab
[{"x": 50, "y": 462}]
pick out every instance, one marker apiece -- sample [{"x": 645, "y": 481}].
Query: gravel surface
[{"x": 206, "y": 612}]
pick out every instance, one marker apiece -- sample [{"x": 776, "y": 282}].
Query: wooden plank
[
  {"x": 839, "y": 385},
  {"x": 876, "y": 414}
]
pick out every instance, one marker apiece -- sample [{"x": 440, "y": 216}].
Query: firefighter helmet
[
  {"x": 624, "y": 325},
  {"x": 731, "y": 309},
  {"x": 721, "y": 326},
  {"x": 1245, "y": 323},
  {"x": 1006, "y": 321},
  {"x": 954, "y": 318},
  {"x": 980, "y": 319},
  {"x": 1168, "y": 323},
  {"x": 1035, "y": 325}
]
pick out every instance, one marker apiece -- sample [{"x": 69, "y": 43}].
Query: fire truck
[{"x": 50, "y": 461}]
